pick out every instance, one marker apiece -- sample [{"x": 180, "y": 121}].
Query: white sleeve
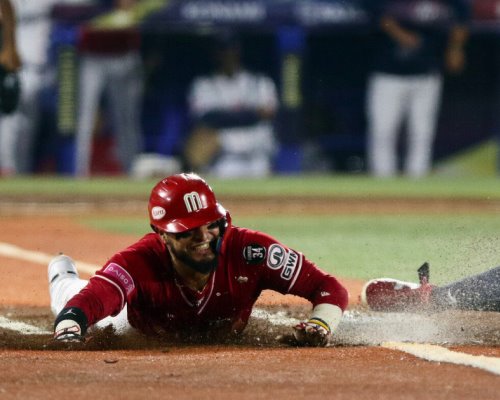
[
  {"x": 268, "y": 94},
  {"x": 329, "y": 313},
  {"x": 201, "y": 97}
]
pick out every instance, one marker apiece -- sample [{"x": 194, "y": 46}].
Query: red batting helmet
[{"x": 182, "y": 202}]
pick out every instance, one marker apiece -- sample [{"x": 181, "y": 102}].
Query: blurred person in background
[
  {"x": 18, "y": 129},
  {"x": 413, "y": 41},
  {"x": 110, "y": 65},
  {"x": 232, "y": 114},
  {"x": 11, "y": 61},
  {"x": 9, "y": 57}
]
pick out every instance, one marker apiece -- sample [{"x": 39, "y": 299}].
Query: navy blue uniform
[{"x": 429, "y": 19}]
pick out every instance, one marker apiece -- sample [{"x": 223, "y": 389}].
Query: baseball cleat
[
  {"x": 60, "y": 267},
  {"x": 392, "y": 295}
]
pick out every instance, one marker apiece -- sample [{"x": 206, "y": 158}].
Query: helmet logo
[
  {"x": 158, "y": 213},
  {"x": 193, "y": 202}
]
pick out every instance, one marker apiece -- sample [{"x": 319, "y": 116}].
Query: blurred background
[{"x": 317, "y": 52}]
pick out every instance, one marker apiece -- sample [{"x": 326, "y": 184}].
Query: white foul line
[
  {"x": 435, "y": 353},
  {"x": 12, "y": 251},
  {"x": 25, "y": 329}
]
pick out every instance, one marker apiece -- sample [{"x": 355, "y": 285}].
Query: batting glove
[
  {"x": 70, "y": 325},
  {"x": 68, "y": 331},
  {"x": 314, "y": 332}
]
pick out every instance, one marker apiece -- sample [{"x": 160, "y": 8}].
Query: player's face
[{"x": 196, "y": 247}]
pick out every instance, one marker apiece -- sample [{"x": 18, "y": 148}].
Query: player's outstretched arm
[
  {"x": 70, "y": 325},
  {"x": 317, "y": 330}
]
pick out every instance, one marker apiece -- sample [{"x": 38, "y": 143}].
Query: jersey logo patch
[
  {"x": 290, "y": 265},
  {"x": 121, "y": 275},
  {"x": 276, "y": 257},
  {"x": 254, "y": 253}
]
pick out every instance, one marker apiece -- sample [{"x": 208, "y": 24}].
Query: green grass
[
  {"x": 367, "y": 246},
  {"x": 122, "y": 225},
  {"x": 478, "y": 161},
  {"x": 358, "y": 246},
  {"x": 64, "y": 186},
  {"x": 304, "y": 185}
]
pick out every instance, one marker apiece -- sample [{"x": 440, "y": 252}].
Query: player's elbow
[
  {"x": 337, "y": 293},
  {"x": 342, "y": 297}
]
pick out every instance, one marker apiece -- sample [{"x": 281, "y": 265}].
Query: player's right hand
[
  {"x": 68, "y": 331},
  {"x": 313, "y": 332}
]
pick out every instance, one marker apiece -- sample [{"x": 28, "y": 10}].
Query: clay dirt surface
[{"x": 254, "y": 366}]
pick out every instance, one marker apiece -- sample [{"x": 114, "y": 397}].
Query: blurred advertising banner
[
  {"x": 311, "y": 14},
  {"x": 256, "y": 13}
]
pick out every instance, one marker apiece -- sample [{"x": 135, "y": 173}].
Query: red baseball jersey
[{"x": 142, "y": 276}]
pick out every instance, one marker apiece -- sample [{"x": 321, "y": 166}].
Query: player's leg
[
  {"x": 392, "y": 295},
  {"x": 26, "y": 119},
  {"x": 15, "y": 145},
  {"x": 424, "y": 107},
  {"x": 125, "y": 89},
  {"x": 64, "y": 283},
  {"x": 245, "y": 152},
  {"x": 91, "y": 84},
  {"x": 477, "y": 292},
  {"x": 7, "y": 148},
  {"x": 385, "y": 111}
]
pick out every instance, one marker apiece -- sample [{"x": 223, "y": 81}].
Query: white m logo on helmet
[{"x": 193, "y": 201}]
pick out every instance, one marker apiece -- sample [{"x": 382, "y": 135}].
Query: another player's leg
[
  {"x": 64, "y": 283},
  {"x": 478, "y": 292},
  {"x": 424, "y": 107},
  {"x": 386, "y": 107},
  {"x": 386, "y": 294}
]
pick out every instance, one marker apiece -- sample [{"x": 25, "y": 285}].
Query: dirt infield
[{"x": 257, "y": 366}]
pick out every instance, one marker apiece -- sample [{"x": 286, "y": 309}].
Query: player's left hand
[
  {"x": 68, "y": 331},
  {"x": 67, "y": 336},
  {"x": 314, "y": 333}
]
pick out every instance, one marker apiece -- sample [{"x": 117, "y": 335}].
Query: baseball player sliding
[{"x": 196, "y": 273}]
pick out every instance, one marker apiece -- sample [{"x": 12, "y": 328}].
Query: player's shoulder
[
  {"x": 141, "y": 256},
  {"x": 245, "y": 235},
  {"x": 150, "y": 242},
  {"x": 255, "y": 247}
]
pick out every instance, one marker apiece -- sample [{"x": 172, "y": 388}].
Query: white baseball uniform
[
  {"x": 245, "y": 150},
  {"x": 18, "y": 130},
  {"x": 392, "y": 99},
  {"x": 406, "y": 82}
]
